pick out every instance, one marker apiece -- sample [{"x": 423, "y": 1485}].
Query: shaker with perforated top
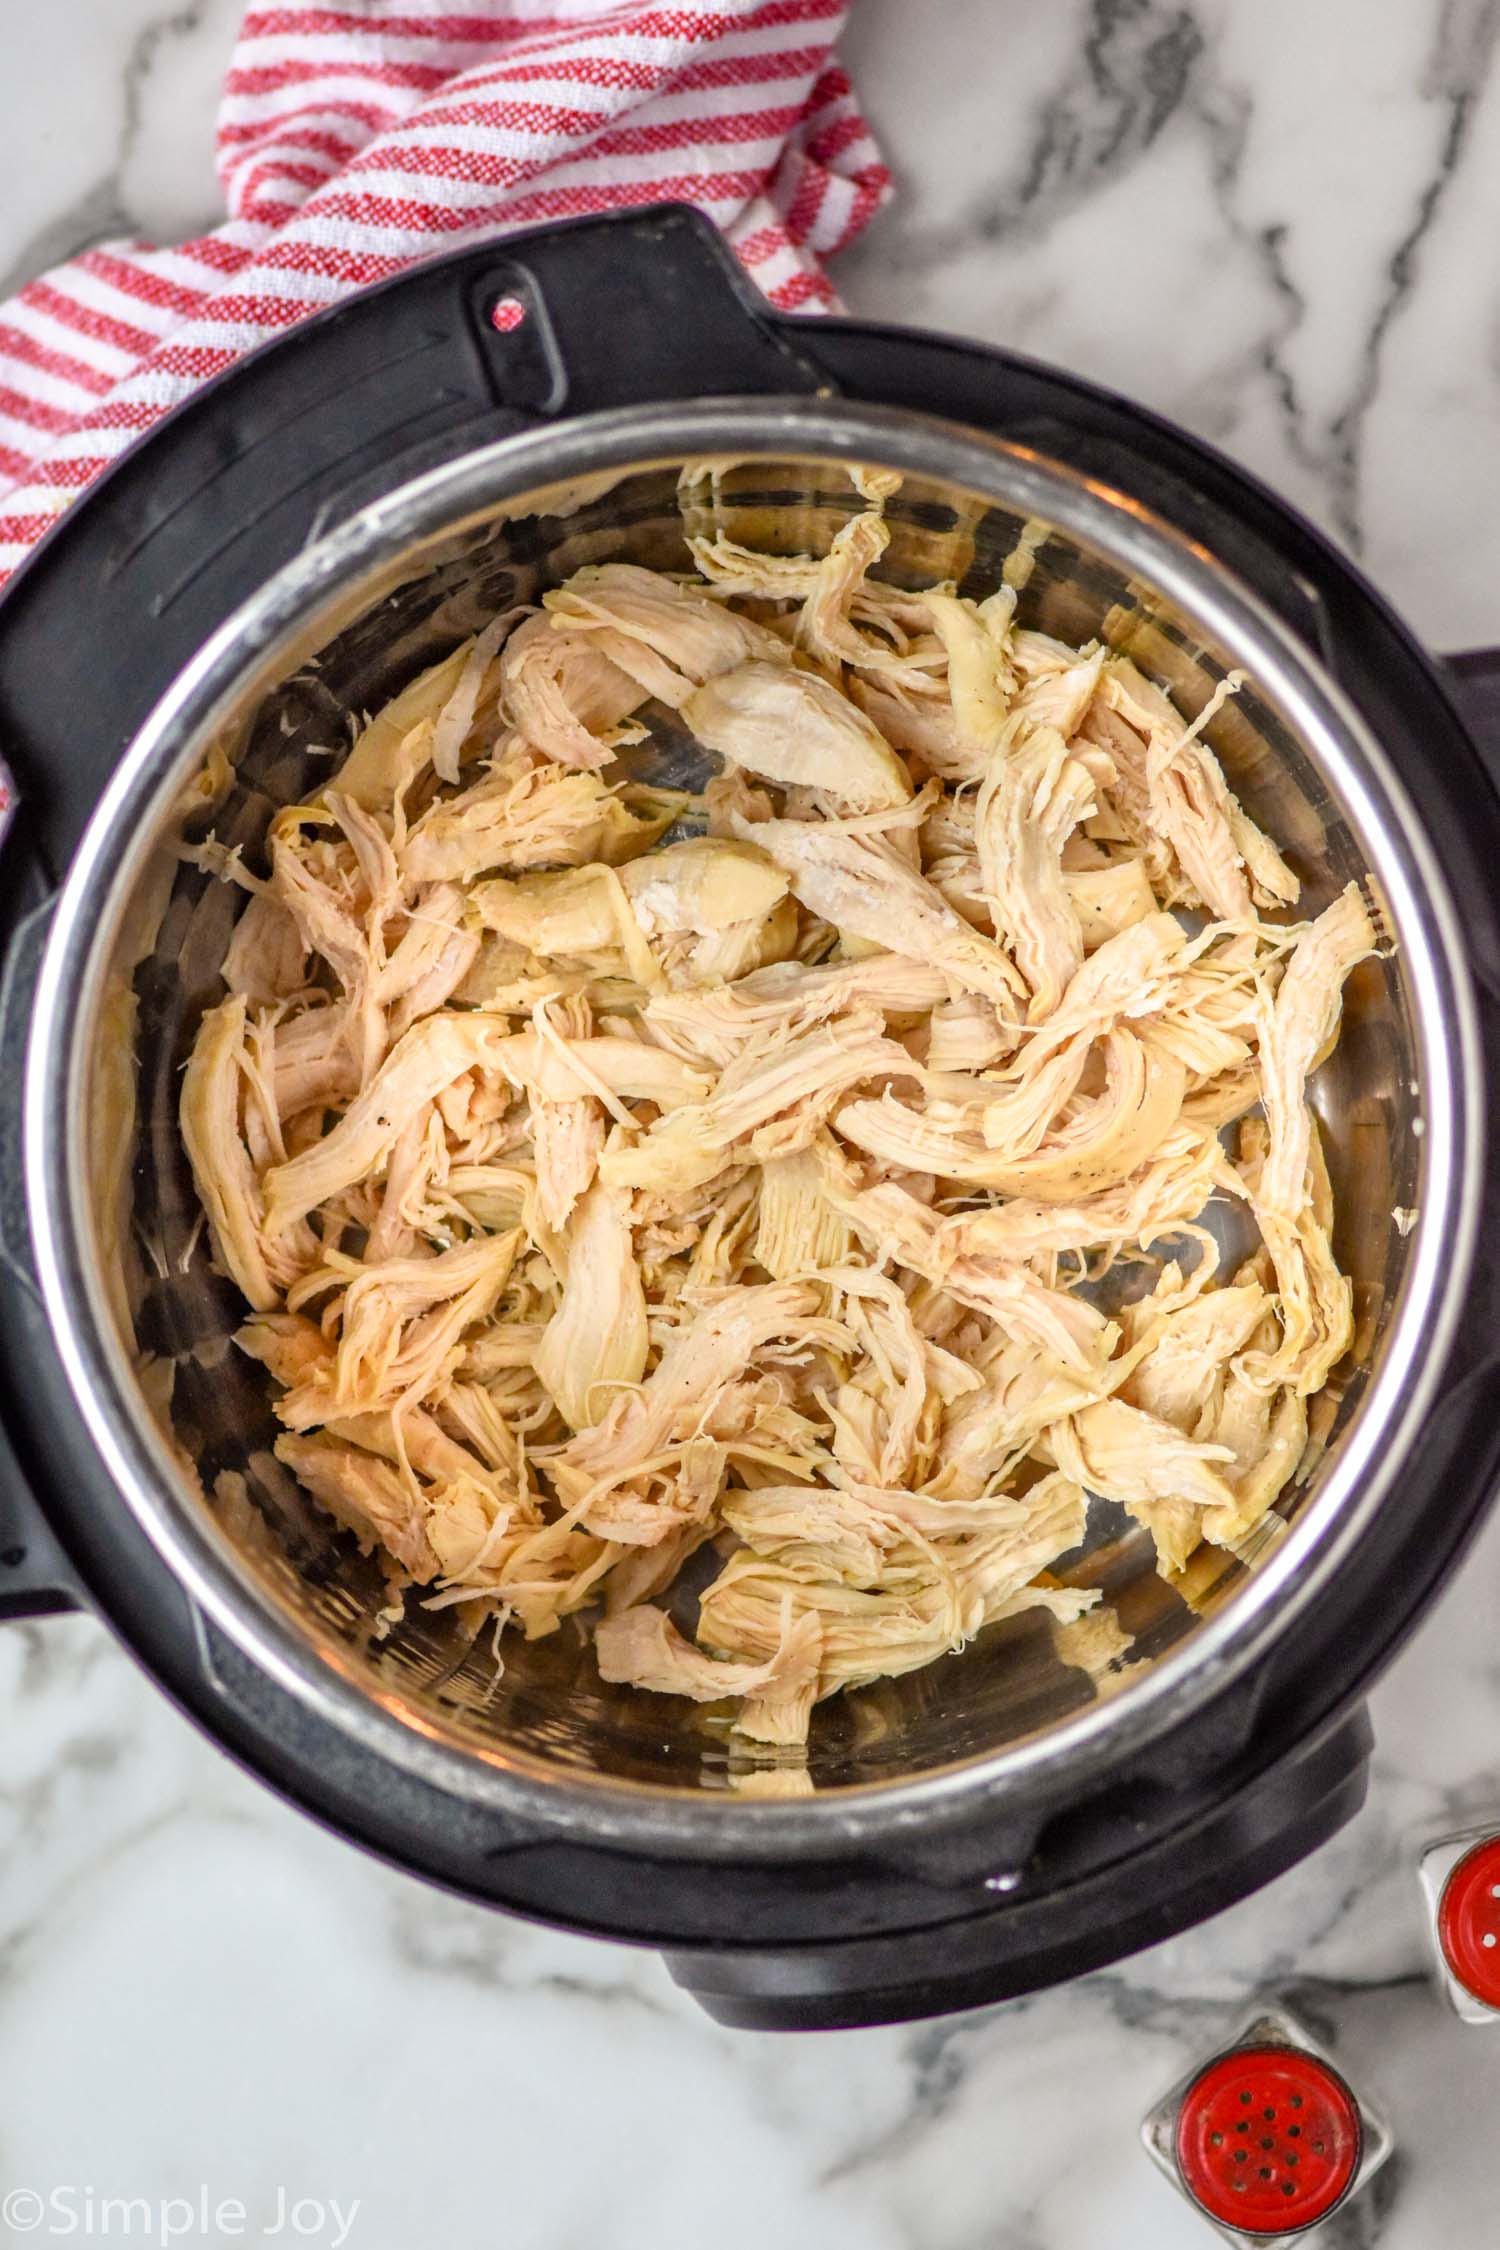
[
  {"x": 1461, "y": 1879},
  {"x": 1267, "y": 2138}
]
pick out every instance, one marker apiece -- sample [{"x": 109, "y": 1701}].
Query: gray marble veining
[{"x": 1242, "y": 215}]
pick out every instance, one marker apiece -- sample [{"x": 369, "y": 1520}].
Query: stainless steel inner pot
[{"x": 183, "y": 1420}]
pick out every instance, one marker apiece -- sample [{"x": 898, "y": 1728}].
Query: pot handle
[
  {"x": 1474, "y": 683},
  {"x": 36, "y": 1579},
  {"x": 575, "y": 319},
  {"x": 1165, "y": 1877},
  {"x": 18, "y": 981}
]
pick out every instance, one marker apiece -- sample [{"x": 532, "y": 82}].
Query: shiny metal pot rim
[{"x": 289, "y": 613}]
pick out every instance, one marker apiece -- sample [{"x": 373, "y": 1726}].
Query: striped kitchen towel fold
[{"x": 356, "y": 140}]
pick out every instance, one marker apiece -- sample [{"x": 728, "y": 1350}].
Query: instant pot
[{"x": 184, "y": 651}]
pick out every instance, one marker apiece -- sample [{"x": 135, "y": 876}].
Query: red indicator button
[
  {"x": 1469, "y": 1922},
  {"x": 1268, "y": 2140}
]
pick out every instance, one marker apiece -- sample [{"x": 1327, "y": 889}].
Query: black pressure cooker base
[
  {"x": 121, "y": 596},
  {"x": 1263, "y": 1826}
]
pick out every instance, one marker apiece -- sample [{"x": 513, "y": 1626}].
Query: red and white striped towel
[{"x": 355, "y": 140}]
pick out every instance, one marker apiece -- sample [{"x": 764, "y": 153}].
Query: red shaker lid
[
  {"x": 1268, "y": 2139},
  {"x": 1469, "y": 1922}
]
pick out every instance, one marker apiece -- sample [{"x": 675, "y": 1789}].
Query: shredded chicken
[{"x": 617, "y": 1178}]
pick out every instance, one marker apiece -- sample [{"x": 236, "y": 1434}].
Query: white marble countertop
[{"x": 1276, "y": 224}]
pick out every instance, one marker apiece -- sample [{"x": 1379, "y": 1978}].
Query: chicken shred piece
[
  {"x": 712, "y": 1027},
  {"x": 267, "y": 956},
  {"x": 863, "y": 887},
  {"x": 400, "y": 1326},
  {"x": 566, "y": 1139},
  {"x": 795, "y": 729},
  {"x": 231, "y": 1194},
  {"x": 526, "y": 814},
  {"x": 1295, "y": 1029},
  {"x": 1160, "y": 1476},
  {"x": 643, "y": 1648},
  {"x": 704, "y": 885},
  {"x": 389, "y": 747},
  {"x": 597, "y": 1339},
  {"x": 775, "y": 1095},
  {"x": 707, "y": 1353},
  {"x": 934, "y": 1598},
  {"x": 798, "y": 1231},
  {"x": 1097, "y": 1148},
  {"x": 1190, "y": 805},
  {"x": 1181, "y": 1378},
  {"x": 562, "y": 692},
  {"x": 1290, "y": 1194},
  {"x": 981, "y": 681},
  {"x": 366, "y": 1496},
  {"x": 434, "y": 1054},
  {"x": 919, "y": 723},
  {"x": 665, "y": 636},
  {"x": 1108, "y": 900},
  {"x": 1033, "y": 795}
]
